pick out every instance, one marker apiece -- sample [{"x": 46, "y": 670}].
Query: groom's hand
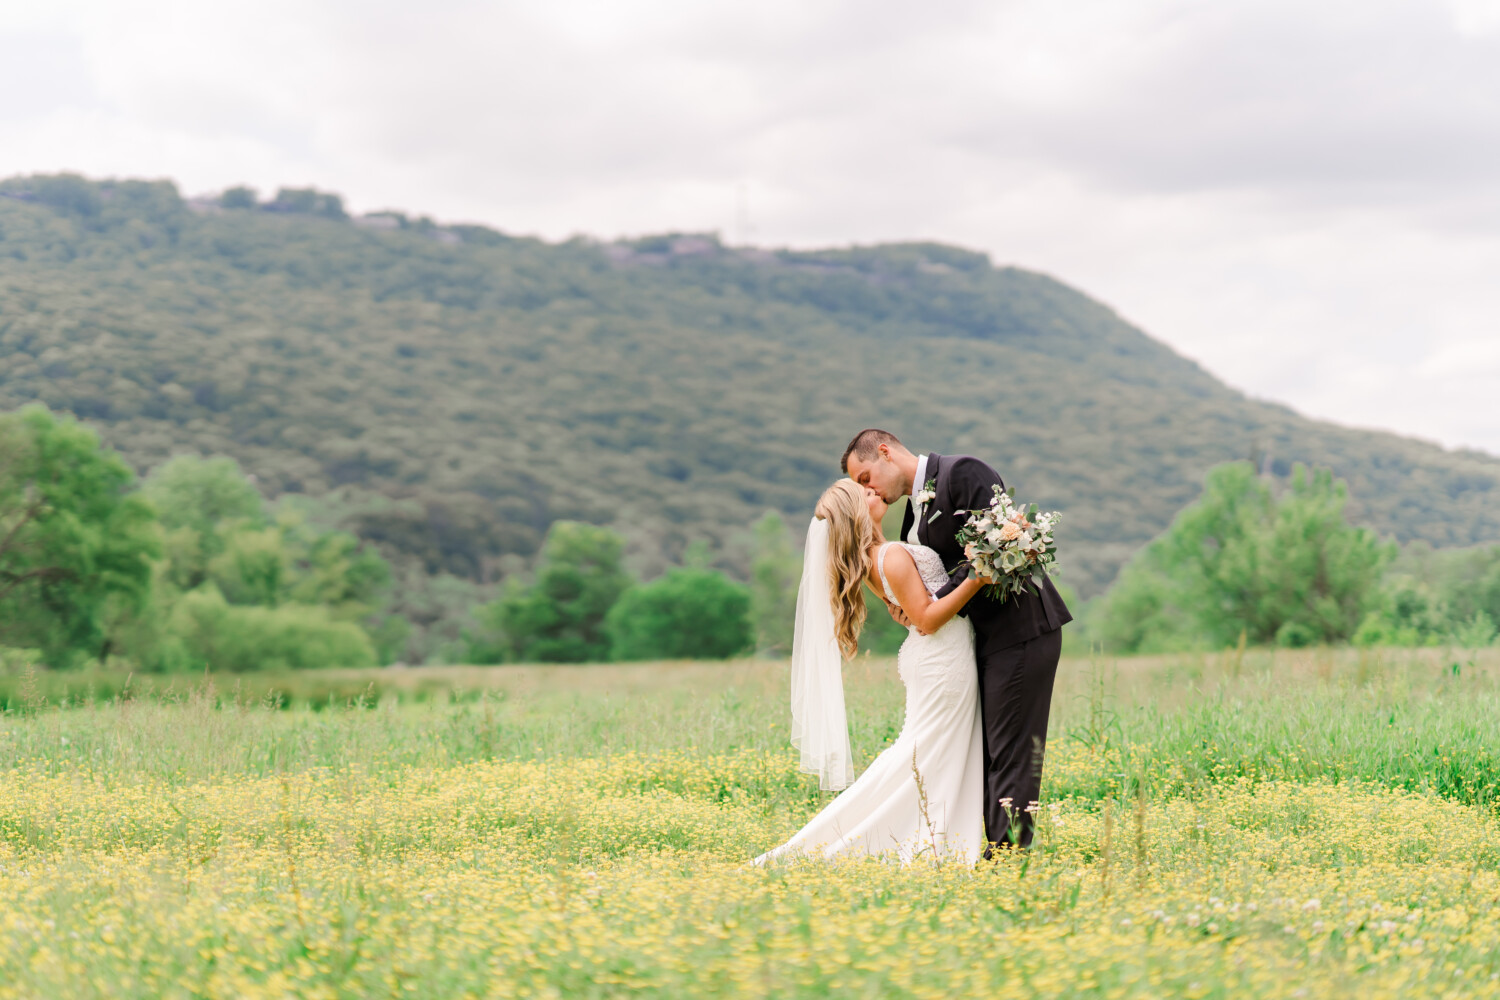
[{"x": 898, "y": 615}]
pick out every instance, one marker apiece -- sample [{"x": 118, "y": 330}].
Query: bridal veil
[{"x": 820, "y": 728}]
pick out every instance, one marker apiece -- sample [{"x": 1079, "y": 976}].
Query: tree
[
  {"x": 1142, "y": 613},
  {"x": 1239, "y": 561},
  {"x": 1408, "y": 612},
  {"x": 253, "y": 568},
  {"x": 333, "y": 568},
  {"x": 74, "y": 543},
  {"x": 774, "y": 576},
  {"x": 1323, "y": 573},
  {"x": 559, "y": 618},
  {"x": 1213, "y": 549},
  {"x": 201, "y": 502},
  {"x": 239, "y": 197},
  {"x": 217, "y": 530},
  {"x": 69, "y": 192},
  {"x": 308, "y": 201},
  {"x": 683, "y": 614}
]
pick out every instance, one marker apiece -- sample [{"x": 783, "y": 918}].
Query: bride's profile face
[{"x": 875, "y": 505}]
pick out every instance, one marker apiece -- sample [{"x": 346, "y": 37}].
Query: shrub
[
  {"x": 212, "y": 633},
  {"x": 684, "y": 614},
  {"x": 1412, "y": 613},
  {"x": 774, "y": 576},
  {"x": 560, "y": 617}
]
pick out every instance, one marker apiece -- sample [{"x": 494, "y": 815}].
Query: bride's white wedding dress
[{"x": 887, "y": 809}]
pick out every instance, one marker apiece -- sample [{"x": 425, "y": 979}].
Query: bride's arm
[{"x": 926, "y": 614}]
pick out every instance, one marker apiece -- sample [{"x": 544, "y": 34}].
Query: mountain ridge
[{"x": 448, "y": 391}]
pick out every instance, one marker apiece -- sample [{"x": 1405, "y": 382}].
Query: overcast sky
[{"x": 1304, "y": 197}]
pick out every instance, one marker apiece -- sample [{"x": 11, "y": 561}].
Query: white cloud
[
  {"x": 1304, "y": 197},
  {"x": 1475, "y": 17}
]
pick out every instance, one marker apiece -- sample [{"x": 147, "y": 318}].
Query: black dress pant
[{"x": 1015, "y": 697}]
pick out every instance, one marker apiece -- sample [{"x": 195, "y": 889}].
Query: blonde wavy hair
[{"x": 852, "y": 536}]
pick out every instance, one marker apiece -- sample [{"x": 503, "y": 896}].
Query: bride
[{"x": 923, "y": 796}]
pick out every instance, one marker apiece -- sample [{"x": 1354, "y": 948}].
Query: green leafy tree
[
  {"x": 218, "y": 531},
  {"x": 253, "y": 568},
  {"x": 683, "y": 614},
  {"x": 140, "y": 632},
  {"x": 774, "y": 576},
  {"x": 289, "y": 562},
  {"x": 560, "y": 617},
  {"x": 334, "y": 569},
  {"x": 1437, "y": 597},
  {"x": 201, "y": 502},
  {"x": 1466, "y": 581},
  {"x": 1477, "y": 632},
  {"x": 391, "y": 635},
  {"x": 1143, "y": 613},
  {"x": 1241, "y": 562},
  {"x": 1487, "y": 590},
  {"x": 76, "y": 547},
  {"x": 1323, "y": 572}
]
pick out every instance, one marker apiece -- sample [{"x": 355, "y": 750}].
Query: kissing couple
[{"x": 965, "y": 773}]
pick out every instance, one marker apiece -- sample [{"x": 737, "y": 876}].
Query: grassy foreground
[{"x": 1297, "y": 825}]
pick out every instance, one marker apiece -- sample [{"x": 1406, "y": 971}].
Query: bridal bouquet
[{"x": 1008, "y": 544}]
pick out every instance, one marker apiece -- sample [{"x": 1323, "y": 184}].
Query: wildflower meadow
[{"x": 1292, "y": 824}]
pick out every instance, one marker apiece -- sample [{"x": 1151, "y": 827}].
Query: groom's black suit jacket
[{"x": 964, "y": 484}]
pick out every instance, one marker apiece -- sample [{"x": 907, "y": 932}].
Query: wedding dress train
[{"x": 923, "y": 796}]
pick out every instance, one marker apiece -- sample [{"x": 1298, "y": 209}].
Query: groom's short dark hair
[{"x": 866, "y": 445}]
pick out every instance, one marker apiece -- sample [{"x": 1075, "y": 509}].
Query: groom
[{"x": 1016, "y": 643}]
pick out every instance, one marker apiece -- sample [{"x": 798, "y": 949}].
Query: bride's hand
[{"x": 983, "y": 581}]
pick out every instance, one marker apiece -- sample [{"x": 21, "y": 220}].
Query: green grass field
[{"x": 1281, "y": 825}]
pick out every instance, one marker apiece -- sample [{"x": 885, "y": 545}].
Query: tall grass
[
  {"x": 1415, "y": 720},
  {"x": 1257, "y": 824}
]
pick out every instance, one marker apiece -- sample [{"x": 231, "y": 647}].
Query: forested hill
[{"x": 449, "y": 391}]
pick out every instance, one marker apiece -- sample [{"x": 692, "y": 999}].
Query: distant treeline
[
  {"x": 1250, "y": 564},
  {"x": 191, "y": 569}
]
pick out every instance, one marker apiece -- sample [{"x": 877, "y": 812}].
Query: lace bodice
[{"x": 929, "y": 565}]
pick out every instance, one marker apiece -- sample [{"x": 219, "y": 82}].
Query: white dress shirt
[{"x": 918, "y": 510}]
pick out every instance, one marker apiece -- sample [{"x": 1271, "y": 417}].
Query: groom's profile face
[{"x": 879, "y": 474}]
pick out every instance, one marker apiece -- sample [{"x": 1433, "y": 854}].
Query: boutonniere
[{"x": 925, "y": 496}]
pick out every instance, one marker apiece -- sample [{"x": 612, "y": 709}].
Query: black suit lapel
[
  {"x": 932, "y": 505},
  {"x": 907, "y": 518}
]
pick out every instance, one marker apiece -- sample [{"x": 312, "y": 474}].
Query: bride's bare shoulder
[
  {"x": 899, "y": 560},
  {"x": 894, "y": 559}
]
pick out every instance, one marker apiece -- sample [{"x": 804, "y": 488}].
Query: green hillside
[{"x": 450, "y": 391}]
